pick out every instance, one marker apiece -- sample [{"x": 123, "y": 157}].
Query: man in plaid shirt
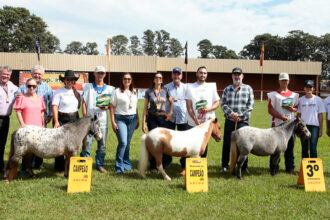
[{"x": 237, "y": 103}]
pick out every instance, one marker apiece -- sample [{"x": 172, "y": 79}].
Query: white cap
[
  {"x": 283, "y": 76},
  {"x": 99, "y": 69}
]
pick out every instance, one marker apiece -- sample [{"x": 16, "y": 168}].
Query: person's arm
[
  {"x": 191, "y": 111},
  {"x": 55, "y": 116},
  {"x": 145, "y": 109},
  {"x": 84, "y": 108},
  {"x": 20, "y": 119},
  {"x": 249, "y": 105},
  {"x": 137, "y": 119},
  {"x": 224, "y": 104},
  {"x": 275, "y": 114},
  {"x": 169, "y": 115},
  {"x": 43, "y": 119},
  {"x": 112, "y": 116},
  {"x": 213, "y": 107},
  {"x": 320, "y": 116}
]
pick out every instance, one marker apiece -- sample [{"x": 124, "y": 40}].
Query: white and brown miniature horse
[
  {"x": 49, "y": 143},
  {"x": 190, "y": 143}
]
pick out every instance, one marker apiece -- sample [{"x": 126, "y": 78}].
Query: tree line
[{"x": 19, "y": 29}]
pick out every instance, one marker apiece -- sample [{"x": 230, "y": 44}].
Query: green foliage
[
  {"x": 75, "y": 47},
  {"x": 19, "y": 29},
  {"x": 257, "y": 196},
  {"x": 221, "y": 52},
  {"x": 175, "y": 48},
  {"x": 148, "y": 46},
  {"x": 135, "y": 46},
  {"x": 119, "y": 45},
  {"x": 205, "y": 47},
  {"x": 162, "y": 42}
]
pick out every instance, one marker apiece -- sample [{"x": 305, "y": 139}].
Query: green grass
[{"x": 127, "y": 196}]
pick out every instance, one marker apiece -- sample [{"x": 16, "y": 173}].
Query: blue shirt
[
  {"x": 46, "y": 92},
  {"x": 179, "y": 103}
]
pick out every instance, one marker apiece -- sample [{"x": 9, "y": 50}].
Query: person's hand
[
  {"x": 104, "y": 107},
  {"x": 235, "y": 116},
  {"x": 137, "y": 124},
  {"x": 197, "y": 122},
  {"x": 56, "y": 124},
  {"x": 144, "y": 129},
  {"x": 23, "y": 125},
  {"x": 289, "y": 107},
  {"x": 114, "y": 127},
  {"x": 168, "y": 116},
  {"x": 48, "y": 119},
  {"x": 320, "y": 132},
  {"x": 284, "y": 118},
  {"x": 19, "y": 95}
]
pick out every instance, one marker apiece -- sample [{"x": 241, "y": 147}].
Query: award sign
[
  {"x": 311, "y": 175},
  {"x": 80, "y": 174},
  {"x": 196, "y": 175}
]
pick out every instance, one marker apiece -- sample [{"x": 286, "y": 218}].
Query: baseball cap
[
  {"x": 99, "y": 69},
  {"x": 237, "y": 70},
  {"x": 283, "y": 76},
  {"x": 309, "y": 83},
  {"x": 177, "y": 70}
]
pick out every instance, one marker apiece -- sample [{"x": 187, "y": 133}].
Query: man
[
  {"x": 327, "y": 114},
  {"x": 7, "y": 98},
  {"x": 177, "y": 91},
  {"x": 202, "y": 100},
  {"x": 237, "y": 104},
  {"x": 282, "y": 104},
  {"x": 96, "y": 101},
  {"x": 46, "y": 92}
]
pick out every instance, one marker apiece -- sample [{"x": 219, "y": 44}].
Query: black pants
[
  {"x": 59, "y": 161},
  {"x": 4, "y": 127},
  {"x": 230, "y": 127}
]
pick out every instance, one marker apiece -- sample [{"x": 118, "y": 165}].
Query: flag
[
  {"x": 262, "y": 55},
  {"x": 38, "y": 47},
  {"x": 108, "y": 49},
  {"x": 186, "y": 53}
]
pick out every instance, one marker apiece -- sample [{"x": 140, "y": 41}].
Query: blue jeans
[
  {"x": 101, "y": 146},
  {"x": 312, "y": 142},
  {"x": 154, "y": 121},
  {"x": 126, "y": 125}
]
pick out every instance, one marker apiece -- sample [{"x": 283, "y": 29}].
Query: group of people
[{"x": 175, "y": 106}]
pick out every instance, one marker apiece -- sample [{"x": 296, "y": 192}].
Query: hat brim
[{"x": 62, "y": 78}]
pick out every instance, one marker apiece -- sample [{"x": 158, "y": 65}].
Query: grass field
[{"x": 258, "y": 195}]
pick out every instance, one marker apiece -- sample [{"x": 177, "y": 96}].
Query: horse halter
[{"x": 94, "y": 130}]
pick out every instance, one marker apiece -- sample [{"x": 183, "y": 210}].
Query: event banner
[{"x": 52, "y": 79}]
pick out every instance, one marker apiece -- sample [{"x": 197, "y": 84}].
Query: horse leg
[
  {"x": 11, "y": 171},
  {"x": 240, "y": 161},
  {"x": 67, "y": 164},
  {"x": 28, "y": 164},
  {"x": 159, "y": 158},
  {"x": 273, "y": 168}
]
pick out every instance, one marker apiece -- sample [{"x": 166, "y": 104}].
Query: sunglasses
[
  {"x": 158, "y": 77},
  {"x": 31, "y": 86},
  {"x": 128, "y": 79}
]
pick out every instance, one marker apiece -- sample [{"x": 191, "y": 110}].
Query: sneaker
[
  {"x": 102, "y": 170},
  {"x": 224, "y": 170}
]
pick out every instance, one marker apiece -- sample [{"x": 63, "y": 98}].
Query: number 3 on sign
[{"x": 311, "y": 175}]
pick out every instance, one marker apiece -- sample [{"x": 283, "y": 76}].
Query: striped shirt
[
  {"x": 240, "y": 101},
  {"x": 46, "y": 92}
]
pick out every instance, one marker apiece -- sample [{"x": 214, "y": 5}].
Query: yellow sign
[
  {"x": 311, "y": 175},
  {"x": 80, "y": 174},
  {"x": 196, "y": 175}
]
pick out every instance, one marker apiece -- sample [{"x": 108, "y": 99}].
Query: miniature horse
[
  {"x": 264, "y": 142},
  {"x": 49, "y": 143},
  {"x": 176, "y": 143}
]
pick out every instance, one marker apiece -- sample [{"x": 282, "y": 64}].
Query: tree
[
  {"x": 135, "y": 46},
  {"x": 19, "y": 29},
  {"x": 91, "y": 48},
  {"x": 205, "y": 47},
  {"x": 119, "y": 45},
  {"x": 175, "y": 48},
  {"x": 75, "y": 47},
  {"x": 323, "y": 55},
  {"x": 162, "y": 41},
  {"x": 148, "y": 46},
  {"x": 221, "y": 52}
]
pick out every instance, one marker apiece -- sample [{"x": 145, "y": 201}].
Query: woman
[
  {"x": 30, "y": 109},
  {"x": 124, "y": 119},
  {"x": 66, "y": 103},
  {"x": 157, "y": 96},
  {"x": 311, "y": 109}
]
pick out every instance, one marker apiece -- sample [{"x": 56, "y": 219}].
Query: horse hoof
[{"x": 239, "y": 177}]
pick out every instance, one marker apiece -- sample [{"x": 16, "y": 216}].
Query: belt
[
  {"x": 71, "y": 114},
  {"x": 158, "y": 113}
]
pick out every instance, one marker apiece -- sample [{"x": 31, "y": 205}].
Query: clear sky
[{"x": 231, "y": 23}]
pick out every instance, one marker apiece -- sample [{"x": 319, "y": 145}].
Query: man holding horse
[
  {"x": 177, "y": 91},
  {"x": 202, "y": 100},
  {"x": 282, "y": 104},
  {"x": 237, "y": 103},
  {"x": 7, "y": 99}
]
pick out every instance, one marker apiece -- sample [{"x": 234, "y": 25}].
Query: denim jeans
[
  {"x": 311, "y": 143},
  {"x": 126, "y": 125},
  {"x": 154, "y": 121},
  {"x": 229, "y": 128},
  {"x": 288, "y": 156},
  {"x": 101, "y": 146}
]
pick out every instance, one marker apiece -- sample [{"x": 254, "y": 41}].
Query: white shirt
[
  {"x": 65, "y": 100},
  {"x": 327, "y": 106},
  {"x": 91, "y": 96},
  {"x": 124, "y": 102},
  {"x": 201, "y": 96},
  {"x": 310, "y": 109}
]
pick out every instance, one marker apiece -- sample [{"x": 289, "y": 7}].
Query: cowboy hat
[{"x": 68, "y": 74}]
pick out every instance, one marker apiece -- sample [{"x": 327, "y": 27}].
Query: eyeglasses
[
  {"x": 158, "y": 77},
  {"x": 31, "y": 86},
  {"x": 128, "y": 79}
]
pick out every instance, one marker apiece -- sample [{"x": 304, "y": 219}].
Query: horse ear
[{"x": 215, "y": 120}]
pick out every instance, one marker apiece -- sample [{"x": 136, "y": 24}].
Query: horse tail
[
  {"x": 144, "y": 156},
  {"x": 11, "y": 153},
  {"x": 233, "y": 151}
]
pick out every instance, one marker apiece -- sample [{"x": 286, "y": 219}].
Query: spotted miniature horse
[
  {"x": 49, "y": 143},
  {"x": 191, "y": 143}
]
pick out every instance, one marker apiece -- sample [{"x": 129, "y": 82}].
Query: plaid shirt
[
  {"x": 46, "y": 92},
  {"x": 240, "y": 101}
]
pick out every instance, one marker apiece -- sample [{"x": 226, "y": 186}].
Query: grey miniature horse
[
  {"x": 264, "y": 142},
  {"x": 49, "y": 143}
]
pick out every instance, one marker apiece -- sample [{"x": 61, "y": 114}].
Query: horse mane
[{"x": 78, "y": 122}]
